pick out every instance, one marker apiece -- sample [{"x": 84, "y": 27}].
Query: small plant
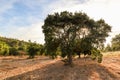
[{"x": 32, "y": 50}]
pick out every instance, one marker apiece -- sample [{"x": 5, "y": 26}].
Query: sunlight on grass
[{"x": 110, "y": 54}]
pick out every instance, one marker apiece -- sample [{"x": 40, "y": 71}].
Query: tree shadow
[{"x": 80, "y": 71}]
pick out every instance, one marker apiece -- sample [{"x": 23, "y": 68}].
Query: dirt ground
[{"x": 43, "y": 68}]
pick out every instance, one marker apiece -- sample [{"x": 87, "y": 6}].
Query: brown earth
[{"x": 43, "y": 68}]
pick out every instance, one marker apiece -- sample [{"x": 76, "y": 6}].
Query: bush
[
  {"x": 13, "y": 51},
  {"x": 32, "y": 50}
]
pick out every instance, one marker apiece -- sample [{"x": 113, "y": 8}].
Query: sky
[{"x": 23, "y": 19}]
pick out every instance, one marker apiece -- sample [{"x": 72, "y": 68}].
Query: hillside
[
  {"x": 10, "y": 46},
  {"x": 13, "y": 42}
]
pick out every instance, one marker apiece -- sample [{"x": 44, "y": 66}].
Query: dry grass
[
  {"x": 83, "y": 69},
  {"x": 112, "y": 54}
]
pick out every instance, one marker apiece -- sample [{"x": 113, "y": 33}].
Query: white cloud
[{"x": 33, "y": 33}]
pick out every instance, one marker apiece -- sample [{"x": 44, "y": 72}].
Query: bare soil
[{"x": 44, "y": 68}]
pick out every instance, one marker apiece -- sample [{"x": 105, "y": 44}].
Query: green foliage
[
  {"x": 14, "y": 43},
  {"x": 70, "y": 31},
  {"x": 42, "y": 50},
  {"x": 33, "y": 49},
  {"x": 13, "y": 51},
  {"x": 4, "y": 48},
  {"x": 116, "y": 43},
  {"x": 96, "y": 55},
  {"x": 9, "y": 46}
]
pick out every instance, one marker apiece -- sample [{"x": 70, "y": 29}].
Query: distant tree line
[{"x": 9, "y": 46}]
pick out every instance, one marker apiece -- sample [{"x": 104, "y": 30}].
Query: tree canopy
[{"x": 69, "y": 31}]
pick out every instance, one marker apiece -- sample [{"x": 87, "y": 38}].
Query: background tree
[
  {"x": 33, "y": 49},
  {"x": 108, "y": 47},
  {"x": 66, "y": 29},
  {"x": 116, "y": 43}
]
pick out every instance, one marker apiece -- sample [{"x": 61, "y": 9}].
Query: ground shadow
[
  {"x": 80, "y": 71},
  {"x": 7, "y": 64}
]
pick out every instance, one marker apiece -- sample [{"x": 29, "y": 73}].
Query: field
[{"x": 44, "y": 68}]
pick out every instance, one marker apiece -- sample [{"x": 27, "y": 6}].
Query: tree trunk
[
  {"x": 79, "y": 55},
  {"x": 69, "y": 59}
]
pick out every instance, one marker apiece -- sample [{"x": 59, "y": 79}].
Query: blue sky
[{"x": 22, "y": 19}]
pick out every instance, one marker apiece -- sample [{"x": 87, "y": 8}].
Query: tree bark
[{"x": 69, "y": 59}]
